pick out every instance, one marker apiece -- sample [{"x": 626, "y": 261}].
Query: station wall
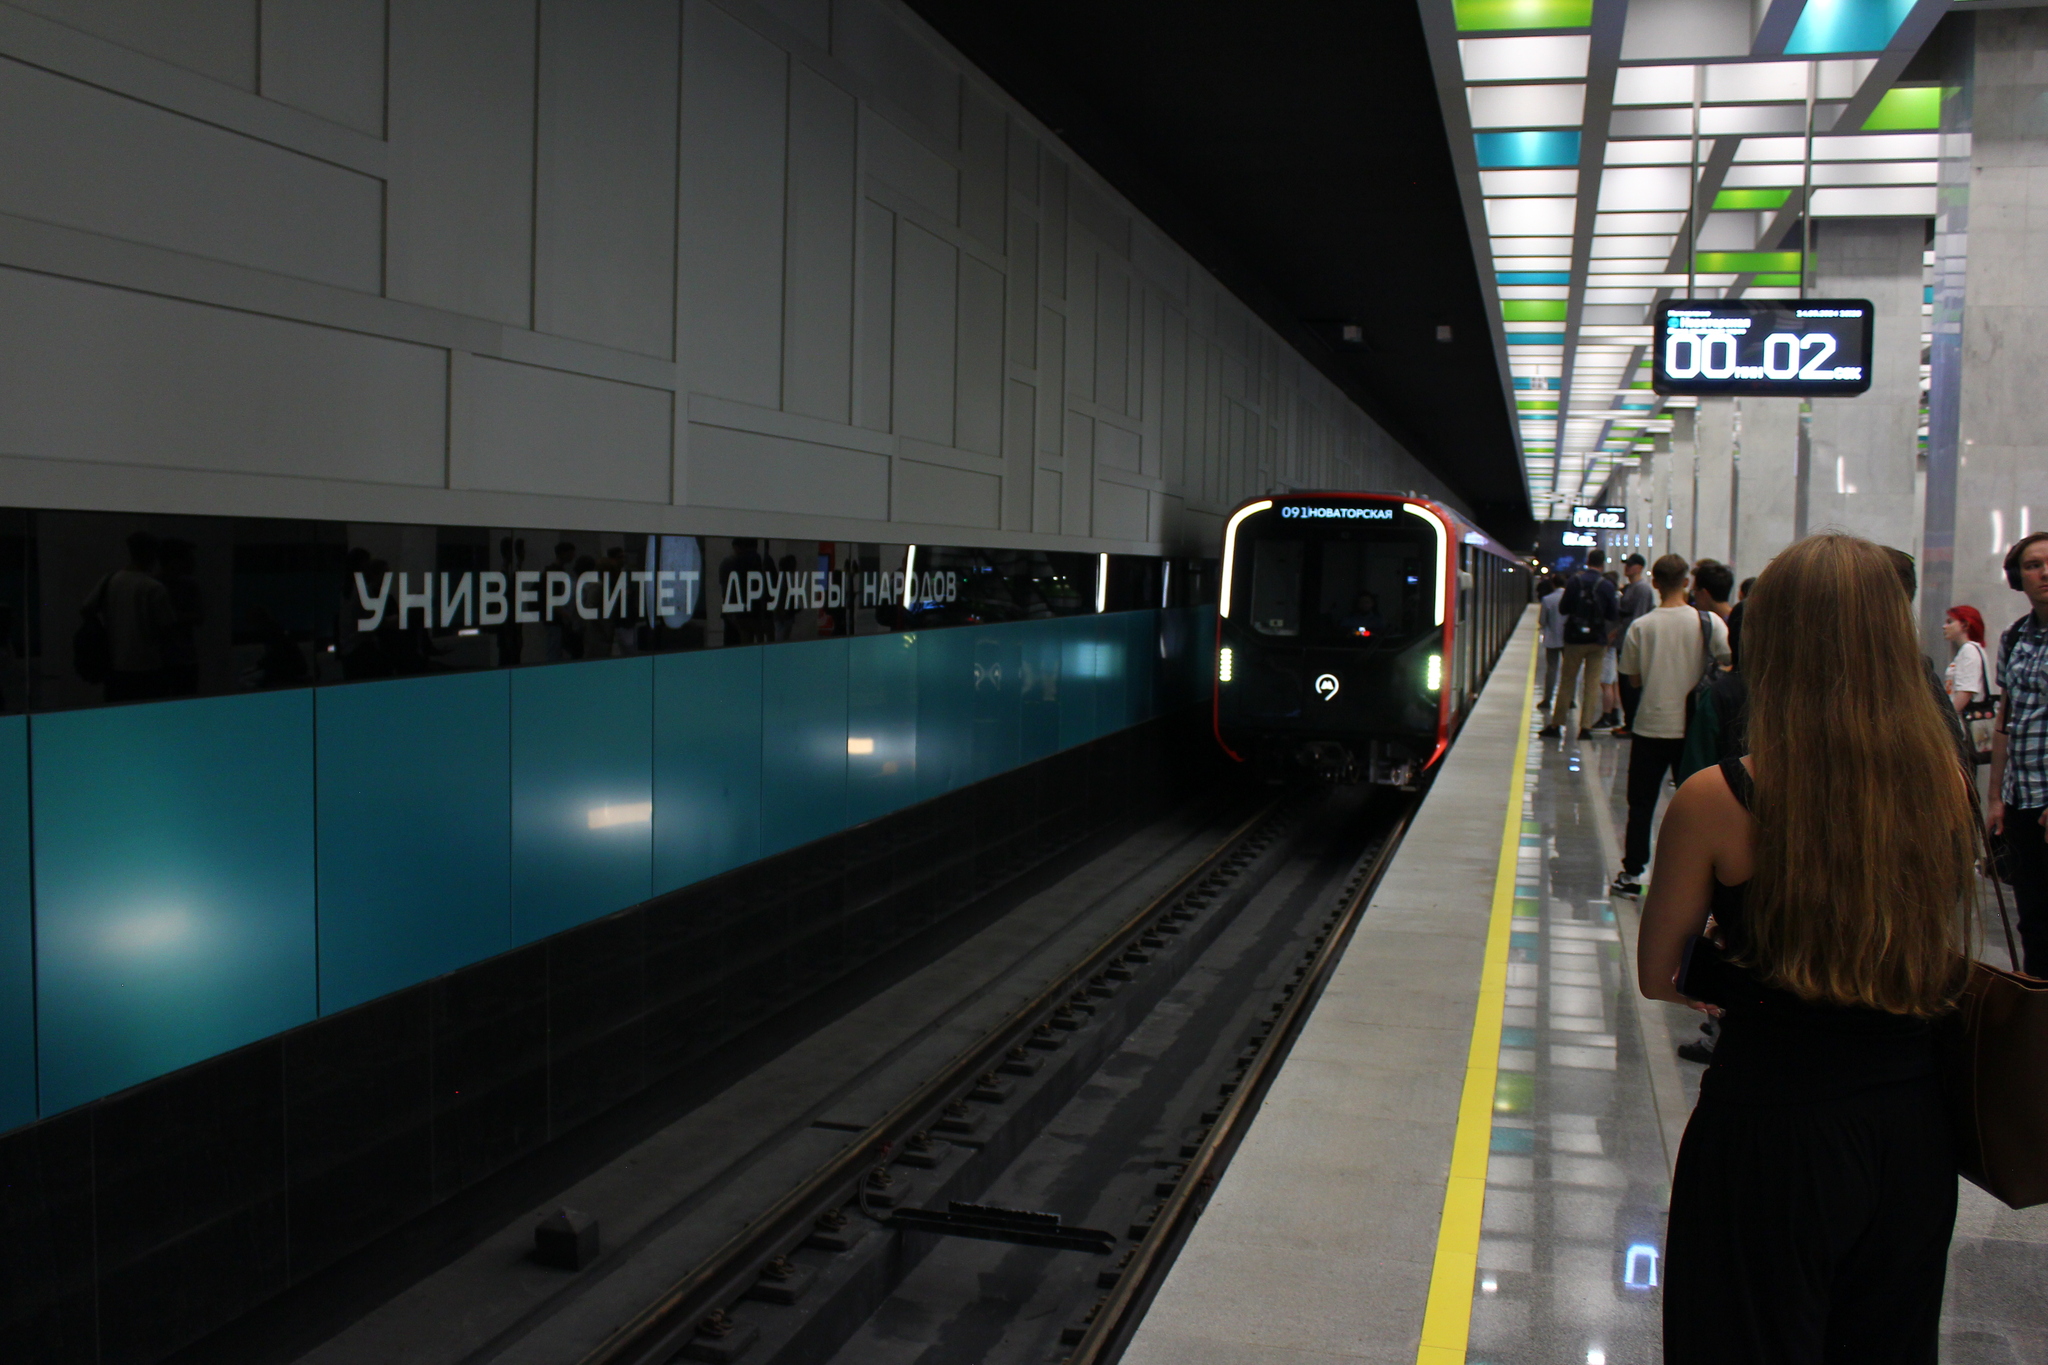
[
  {"x": 788, "y": 265},
  {"x": 211, "y": 871}
]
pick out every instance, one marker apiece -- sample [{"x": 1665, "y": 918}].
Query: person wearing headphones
[{"x": 2019, "y": 749}]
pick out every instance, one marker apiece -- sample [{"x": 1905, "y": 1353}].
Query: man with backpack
[
  {"x": 1590, "y": 608},
  {"x": 1666, "y": 654}
]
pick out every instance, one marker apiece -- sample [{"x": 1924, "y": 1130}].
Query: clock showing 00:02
[{"x": 1785, "y": 347}]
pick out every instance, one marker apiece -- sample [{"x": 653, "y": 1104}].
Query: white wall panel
[
  {"x": 817, "y": 334},
  {"x": 523, "y": 429},
  {"x": 216, "y": 38},
  {"x": 750, "y": 471},
  {"x": 93, "y": 373},
  {"x": 75, "y": 154},
  {"x": 878, "y": 290},
  {"x": 461, "y": 117},
  {"x": 735, "y": 140},
  {"x": 942, "y": 496},
  {"x": 605, "y": 195},
  {"x": 327, "y": 58},
  {"x": 926, "y": 312},
  {"x": 979, "y": 404}
]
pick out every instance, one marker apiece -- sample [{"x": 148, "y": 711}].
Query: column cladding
[{"x": 1864, "y": 450}]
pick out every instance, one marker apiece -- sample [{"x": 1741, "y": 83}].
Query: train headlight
[
  {"x": 1225, "y": 664},
  {"x": 1434, "y": 678}
]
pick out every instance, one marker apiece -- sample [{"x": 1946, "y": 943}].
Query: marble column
[
  {"x": 1766, "y": 487},
  {"x": 2001, "y": 470},
  {"x": 1680, "y": 476},
  {"x": 1714, "y": 491},
  {"x": 1865, "y": 450}
]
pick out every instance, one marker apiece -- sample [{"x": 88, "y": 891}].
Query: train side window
[{"x": 1276, "y": 586}]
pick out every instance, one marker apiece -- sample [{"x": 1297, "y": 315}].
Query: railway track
[{"x": 804, "y": 1279}]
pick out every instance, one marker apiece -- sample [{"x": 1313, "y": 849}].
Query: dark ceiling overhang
[{"x": 1297, "y": 151}]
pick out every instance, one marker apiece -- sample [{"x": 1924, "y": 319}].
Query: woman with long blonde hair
[{"x": 1816, "y": 1189}]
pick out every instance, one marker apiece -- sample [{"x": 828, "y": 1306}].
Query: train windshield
[{"x": 1366, "y": 585}]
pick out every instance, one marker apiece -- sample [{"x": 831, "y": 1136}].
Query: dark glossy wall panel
[
  {"x": 881, "y": 725},
  {"x": 415, "y": 831},
  {"x": 174, "y": 885},
  {"x": 17, "y": 933}
]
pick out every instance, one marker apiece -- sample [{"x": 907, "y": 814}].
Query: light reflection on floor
[{"x": 1573, "y": 1232}]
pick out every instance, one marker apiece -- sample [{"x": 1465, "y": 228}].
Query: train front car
[{"x": 1333, "y": 636}]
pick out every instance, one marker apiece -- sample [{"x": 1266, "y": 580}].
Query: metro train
[{"x": 1353, "y": 632}]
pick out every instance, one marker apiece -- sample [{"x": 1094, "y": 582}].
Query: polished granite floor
[{"x": 1591, "y": 1104}]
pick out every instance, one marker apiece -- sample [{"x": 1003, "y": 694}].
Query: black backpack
[{"x": 1584, "y": 621}]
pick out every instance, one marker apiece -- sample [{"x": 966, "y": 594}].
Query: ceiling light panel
[
  {"x": 1876, "y": 201},
  {"x": 1739, "y": 119},
  {"x": 1527, "y": 106},
  {"x": 1528, "y": 182},
  {"x": 1755, "y": 82},
  {"x": 1653, "y": 85},
  {"x": 1532, "y": 246},
  {"x": 1877, "y": 147},
  {"x": 1631, "y": 189},
  {"x": 1763, "y": 177},
  {"x": 1877, "y": 173},
  {"x": 1524, "y": 59},
  {"x": 1670, "y": 151},
  {"x": 1530, "y": 217},
  {"x": 1504, "y": 265},
  {"x": 1638, "y": 224},
  {"x": 1645, "y": 247}
]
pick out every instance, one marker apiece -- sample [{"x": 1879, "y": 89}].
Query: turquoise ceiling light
[
  {"x": 1828, "y": 26},
  {"x": 1550, "y": 147}
]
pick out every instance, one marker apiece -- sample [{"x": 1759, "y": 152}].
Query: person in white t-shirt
[
  {"x": 1969, "y": 673},
  {"x": 1665, "y": 653}
]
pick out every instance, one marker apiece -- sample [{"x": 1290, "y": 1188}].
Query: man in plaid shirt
[{"x": 2019, "y": 749}]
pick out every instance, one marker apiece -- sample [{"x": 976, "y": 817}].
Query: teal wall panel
[
  {"x": 995, "y": 667},
  {"x": 803, "y": 742},
  {"x": 17, "y": 933},
  {"x": 415, "y": 831},
  {"x": 881, "y": 724},
  {"x": 582, "y": 792},
  {"x": 1039, "y": 645},
  {"x": 707, "y": 764},
  {"x": 1080, "y": 673},
  {"x": 945, "y": 711},
  {"x": 174, "y": 885}
]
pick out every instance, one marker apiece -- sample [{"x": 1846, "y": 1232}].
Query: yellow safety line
[{"x": 1447, "y": 1321}]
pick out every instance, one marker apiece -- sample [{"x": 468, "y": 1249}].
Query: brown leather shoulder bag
[{"x": 1995, "y": 1068}]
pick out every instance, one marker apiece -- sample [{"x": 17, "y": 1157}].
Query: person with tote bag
[{"x": 1815, "y": 1190}]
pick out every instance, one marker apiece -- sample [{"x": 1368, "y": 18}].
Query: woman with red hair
[{"x": 1969, "y": 671}]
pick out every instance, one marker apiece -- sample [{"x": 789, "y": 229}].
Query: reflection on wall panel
[
  {"x": 415, "y": 794},
  {"x": 881, "y": 724},
  {"x": 582, "y": 793},
  {"x": 174, "y": 885},
  {"x": 17, "y": 935},
  {"x": 707, "y": 764},
  {"x": 803, "y": 743}
]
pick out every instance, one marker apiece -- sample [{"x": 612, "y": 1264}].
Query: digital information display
[
  {"x": 1600, "y": 518},
  {"x": 1768, "y": 347}
]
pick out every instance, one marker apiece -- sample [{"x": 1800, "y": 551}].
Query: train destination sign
[{"x": 1766, "y": 347}]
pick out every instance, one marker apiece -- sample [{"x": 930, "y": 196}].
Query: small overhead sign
[
  {"x": 1764, "y": 347},
  {"x": 1600, "y": 518}
]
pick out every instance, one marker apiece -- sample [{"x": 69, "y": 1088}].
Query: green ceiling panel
[
  {"x": 1533, "y": 310},
  {"x": 1750, "y": 199},
  {"x": 1478, "y": 16},
  {"x": 1778, "y": 281},
  {"x": 1908, "y": 107},
  {"x": 1744, "y": 262}
]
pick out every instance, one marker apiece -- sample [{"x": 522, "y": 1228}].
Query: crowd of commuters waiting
[{"x": 1816, "y": 895}]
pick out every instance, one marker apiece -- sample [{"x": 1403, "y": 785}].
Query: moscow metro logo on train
[{"x": 1327, "y": 685}]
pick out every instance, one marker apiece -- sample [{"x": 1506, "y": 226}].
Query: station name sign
[
  {"x": 1764, "y": 347},
  {"x": 1338, "y": 512},
  {"x": 529, "y": 596},
  {"x": 1600, "y": 518}
]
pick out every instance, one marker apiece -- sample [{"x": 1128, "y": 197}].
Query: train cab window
[
  {"x": 1276, "y": 586},
  {"x": 1370, "y": 591}
]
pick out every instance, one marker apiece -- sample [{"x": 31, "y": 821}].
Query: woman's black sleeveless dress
[{"x": 1816, "y": 1190}]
